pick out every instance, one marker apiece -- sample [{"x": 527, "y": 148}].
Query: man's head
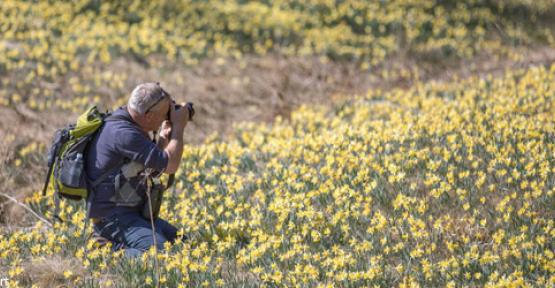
[{"x": 149, "y": 105}]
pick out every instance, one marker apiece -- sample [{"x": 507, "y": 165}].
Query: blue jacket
[{"x": 116, "y": 142}]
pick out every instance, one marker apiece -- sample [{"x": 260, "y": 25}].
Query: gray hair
[{"x": 144, "y": 96}]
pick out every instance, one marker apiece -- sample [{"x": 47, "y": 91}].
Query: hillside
[
  {"x": 336, "y": 143},
  {"x": 441, "y": 184}
]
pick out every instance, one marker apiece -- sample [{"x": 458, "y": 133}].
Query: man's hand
[
  {"x": 179, "y": 117},
  {"x": 165, "y": 130},
  {"x": 164, "y": 134},
  {"x": 174, "y": 149}
]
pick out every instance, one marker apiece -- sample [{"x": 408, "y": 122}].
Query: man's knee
[
  {"x": 144, "y": 239},
  {"x": 168, "y": 230}
]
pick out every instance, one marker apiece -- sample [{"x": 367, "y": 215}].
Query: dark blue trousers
[{"x": 132, "y": 232}]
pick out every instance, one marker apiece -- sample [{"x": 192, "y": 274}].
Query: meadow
[
  {"x": 434, "y": 184},
  {"x": 438, "y": 185}
]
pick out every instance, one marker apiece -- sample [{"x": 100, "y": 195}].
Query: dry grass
[{"x": 49, "y": 272}]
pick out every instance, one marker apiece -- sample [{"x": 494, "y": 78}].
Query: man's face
[{"x": 157, "y": 114}]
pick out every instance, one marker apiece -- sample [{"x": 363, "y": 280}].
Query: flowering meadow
[
  {"x": 431, "y": 184},
  {"x": 444, "y": 184},
  {"x": 54, "y": 48}
]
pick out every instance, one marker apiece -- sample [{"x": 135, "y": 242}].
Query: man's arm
[{"x": 174, "y": 149}]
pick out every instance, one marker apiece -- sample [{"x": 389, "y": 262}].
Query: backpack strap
[
  {"x": 116, "y": 117},
  {"x": 102, "y": 177},
  {"x": 48, "y": 175}
]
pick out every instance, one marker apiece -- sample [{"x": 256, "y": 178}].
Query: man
[{"x": 125, "y": 143}]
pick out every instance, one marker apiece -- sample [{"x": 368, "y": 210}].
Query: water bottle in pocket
[{"x": 72, "y": 171}]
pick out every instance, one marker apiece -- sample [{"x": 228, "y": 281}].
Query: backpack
[{"x": 67, "y": 157}]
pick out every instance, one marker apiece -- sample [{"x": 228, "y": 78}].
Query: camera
[{"x": 189, "y": 106}]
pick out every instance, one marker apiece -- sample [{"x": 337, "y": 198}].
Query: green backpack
[{"x": 66, "y": 157}]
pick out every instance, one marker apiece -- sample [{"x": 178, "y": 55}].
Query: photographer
[{"x": 126, "y": 148}]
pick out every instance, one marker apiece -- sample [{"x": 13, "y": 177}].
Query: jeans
[{"x": 132, "y": 232}]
